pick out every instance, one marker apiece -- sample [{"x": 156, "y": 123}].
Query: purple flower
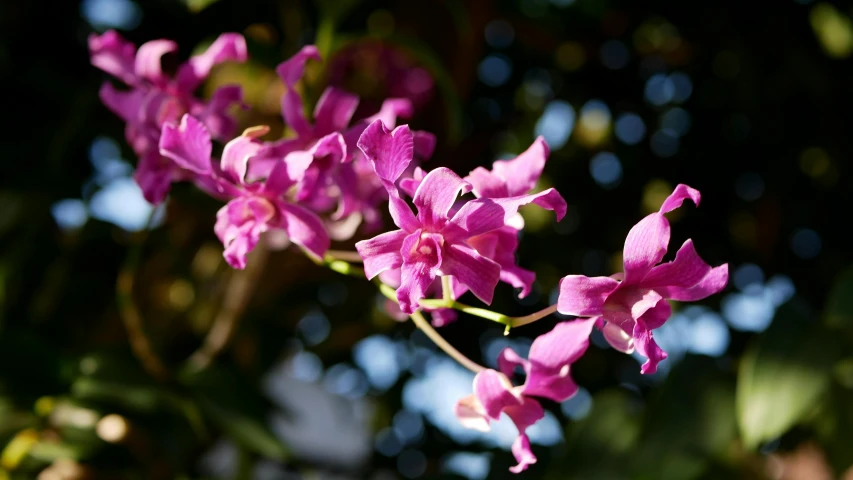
[
  {"x": 507, "y": 178},
  {"x": 155, "y": 99},
  {"x": 255, "y": 207},
  {"x": 510, "y": 178},
  {"x": 629, "y": 306},
  {"x": 548, "y": 371},
  {"x": 349, "y": 187},
  {"x": 433, "y": 243}
]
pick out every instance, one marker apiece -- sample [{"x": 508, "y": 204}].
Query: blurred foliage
[{"x": 766, "y": 140}]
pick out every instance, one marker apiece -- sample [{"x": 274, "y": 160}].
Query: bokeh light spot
[
  {"x": 606, "y": 170},
  {"x": 806, "y": 243},
  {"x": 629, "y": 128},
  {"x": 495, "y": 70}
]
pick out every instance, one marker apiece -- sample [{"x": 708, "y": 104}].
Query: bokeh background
[{"x": 749, "y": 104}]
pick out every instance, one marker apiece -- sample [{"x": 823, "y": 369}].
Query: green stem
[
  {"x": 130, "y": 315},
  {"x": 346, "y": 256},
  {"x": 446, "y": 289},
  {"x": 527, "y": 319}
]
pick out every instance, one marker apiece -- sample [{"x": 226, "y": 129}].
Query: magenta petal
[
  {"x": 714, "y": 282},
  {"x": 125, "y": 104},
  {"x": 551, "y": 357},
  {"x": 487, "y": 214},
  {"x": 522, "y": 172},
  {"x": 148, "y": 58},
  {"x": 647, "y": 347},
  {"x": 676, "y": 198},
  {"x": 486, "y": 184},
  {"x": 422, "y": 257},
  {"x": 645, "y": 247},
  {"x": 391, "y": 109},
  {"x": 236, "y": 155},
  {"x": 291, "y": 71},
  {"x": 114, "y": 55},
  {"x": 476, "y": 217},
  {"x": 226, "y": 47},
  {"x": 469, "y": 411},
  {"x": 304, "y": 229},
  {"x": 239, "y": 225},
  {"x": 154, "y": 175},
  {"x": 495, "y": 393},
  {"x": 390, "y": 152},
  {"x": 522, "y": 453},
  {"x": 508, "y": 360},
  {"x": 678, "y": 277},
  {"x": 334, "y": 110},
  {"x": 478, "y": 273},
  {"x": 424, "y": 144},
  {"x": 215, "y": 115},
  {"x": 188, "y": 145},
  {"x": 584, "y": 296},
  {"x": 381, "y": 252},
  {"x": 436, "y": 194}
]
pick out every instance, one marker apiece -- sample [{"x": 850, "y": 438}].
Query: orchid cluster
[{"x": 333, "y": 175}]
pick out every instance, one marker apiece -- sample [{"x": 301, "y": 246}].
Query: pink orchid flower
[
  {"x": 255, "y": 207},
  {"x": 629, "y": 306},
  {"x": 548, "y": 370},
  {"x": 155, "y": 99}
]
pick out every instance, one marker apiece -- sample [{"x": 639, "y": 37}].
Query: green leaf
[
  {"x": 600, "y": 445},
  {"x": 695, "y": 393},
  {"x": 237, "y": 407},
  {"x": 839, "y": 304},
  {"x": 783, "y": 374}
]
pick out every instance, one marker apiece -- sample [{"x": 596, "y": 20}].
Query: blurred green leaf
[
  {"x": 600, "y": 445},
  {"x": 835, "y": 428},
  {"x": 783, "y": 374},
  {"x": 237, "y": 407},
  {"x": 839, "y": 305},
  {"x": 697, "y": 394}
]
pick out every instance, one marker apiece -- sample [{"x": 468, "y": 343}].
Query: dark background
[{"x": 760, "y": 127}]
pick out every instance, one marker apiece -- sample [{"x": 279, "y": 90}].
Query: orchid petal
[
  {"x": 154, "y": 175},
  {"x": 381, "y": 253},
  {"x": 522, "y": 172},
  {"x": 647, "y": 347},
  {"x": 618, "y": 338},
  {"x": 584, "y": 296},
  {"x": 469, "y": 411},
  {"x": 214, "y": 113},
  {"x": 424, "y": 144},
  {"x": 125, "y": 104},
  {"x": 523, "y": 454},
  {"x": 114, "y": 55},
  {"x": 291, "y": 71},
  {"x": 436, "y": 194},
  {"x": 236, "y": 155},
  {"x": 679, "y": 277},
  {"x": 495, "y": 392},
  {"x": 551, "y": 357},
  {"x": 645, "y": 247},
  {"x": 484, "y": 215},
  {"x": 478, "y": 273},
  {"x": 304, "y": 229},
  {"x": 188, "y": 145},
  {"x": 334, "y": 110},
  {"x": 508, "y": 360},
  {"x": 486, "y": 184},
  {"x": 390, "y": 152},
  {"x": 422, "y": 258},
  {"x": 676, "y": 198},
  {"x": 148, "y": 60},
  {"x": 226, "y": 47}
]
